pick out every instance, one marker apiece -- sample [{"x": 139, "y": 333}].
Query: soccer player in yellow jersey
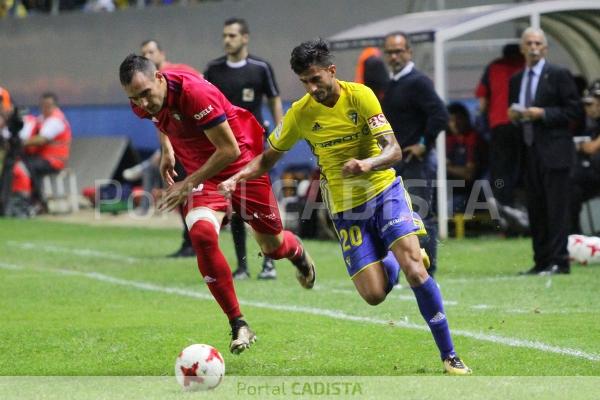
[{"x": 356, "y": 149}]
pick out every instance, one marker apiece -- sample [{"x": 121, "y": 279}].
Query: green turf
[{"x": 95, "y": 321}]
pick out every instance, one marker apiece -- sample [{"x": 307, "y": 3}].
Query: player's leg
[
  {"x": 429, "y": 299},
  {"x": 238, "y": 232},
  {"x": 371, "y": 283},
  {"x": 204, "y": 225},
  {"x": 364, "y": 254},
  {"x": 255, "y": 203},
  {"x": 287, "y": 245},
  {"x": 399, "y": 226}
]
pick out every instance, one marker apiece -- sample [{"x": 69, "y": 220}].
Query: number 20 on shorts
[{"x": 352, "y": 235}]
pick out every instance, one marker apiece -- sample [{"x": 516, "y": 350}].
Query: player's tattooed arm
[
  {"x": 389, "y": 156},
  {"x": 391, "y": 153}
]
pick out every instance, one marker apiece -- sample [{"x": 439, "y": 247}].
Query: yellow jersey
[{"x": 336, "y": 135}]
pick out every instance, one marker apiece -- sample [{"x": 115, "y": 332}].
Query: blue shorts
[{"x": 366, "y": 232}]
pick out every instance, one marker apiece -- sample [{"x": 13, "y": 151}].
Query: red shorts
[{"x": 252, "y": 200}]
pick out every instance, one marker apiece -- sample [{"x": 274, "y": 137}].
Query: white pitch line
[
  {"x": 490, "y": 279},
  {"x": 66, "y": 250},
  {"x": 11, "y": 267},
  {"x": 335, "y": 314},
  {"x": 392, "y": 295},
  {"x": 476, "y": 307}
]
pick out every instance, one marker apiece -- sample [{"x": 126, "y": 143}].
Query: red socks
[
  {"x": 290, "y": 248},
  {"x": 214, "y": 268}
]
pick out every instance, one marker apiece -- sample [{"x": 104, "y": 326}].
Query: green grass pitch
[{"x": 104, "y": 301}]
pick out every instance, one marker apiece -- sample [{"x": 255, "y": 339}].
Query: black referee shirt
[{"x": 244, "y": 83}]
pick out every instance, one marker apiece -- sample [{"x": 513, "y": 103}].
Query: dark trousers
[
  {"x": 548, "y": 206},
  {"x": 38, "y": 168},
  {"x": 505, "y": 162},
  {"x": 418, "y": 177},
  {"x": 585, "y": 185}
]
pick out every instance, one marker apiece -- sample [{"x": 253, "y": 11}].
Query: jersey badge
[
  {"x": 353, "y": 115},
  {"x": 248, "y": 94},
  {"x": 316, "y": 127},
  {"x": 377, "y": 121}
]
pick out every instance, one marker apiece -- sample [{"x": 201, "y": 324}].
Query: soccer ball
[
  {"x": 584, "y": 249},
  {"x": 199, "y": 367}
]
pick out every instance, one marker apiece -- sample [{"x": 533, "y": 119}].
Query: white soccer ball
[
  {"x": 199, "y": 367},
  {"x": 584, "y": 249},
  {"x": 577, "y": 248}
]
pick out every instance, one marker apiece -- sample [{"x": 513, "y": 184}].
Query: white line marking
[
  {"x": 491, "y": 279},
  {"x": 392, "y": 295},
  {"x": 12, "y": 267},
  {"x": 67, "y": 250},
  {"x": 335, "y": 314}
]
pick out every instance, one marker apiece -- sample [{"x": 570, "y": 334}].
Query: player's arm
[
  {"x": 50, "y": 129},
  {"x": 276, "y": 108},
  {"x": 226, "y": 152},
  {"x": 36, "y": 141},
  {"x": 255, "y": 168},
  {"x": 167, "y": 159},
  {"x": 391, "y": 153}
]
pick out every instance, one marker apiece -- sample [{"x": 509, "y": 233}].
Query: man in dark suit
[{"x": 543, "y": 100}]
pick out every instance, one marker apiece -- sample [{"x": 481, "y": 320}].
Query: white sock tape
[{"x": 202, "y": 213}]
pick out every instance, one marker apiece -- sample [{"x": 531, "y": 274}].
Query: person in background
[
  {"x": 245, "y": 80},
  {"x": 505, "y": 159},
  {"x": 371, "y": 71},
  {"x": 461, "y": 154},
  {"x": 47, "y": 151},
  {"x": 544, "y": 101},
  {"x": 417, "y": 115},
  {"x": 585, "y": 180}
]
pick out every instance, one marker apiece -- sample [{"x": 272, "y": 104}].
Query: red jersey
[
  {"x": 461, "y": 149},
  {"x": 192, "y": 105},
  {"x": 494, "y": 86}
]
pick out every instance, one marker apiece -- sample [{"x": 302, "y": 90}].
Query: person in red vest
[
  {"x": 371, "y": 71},
  {"x": 47, "y": 152},
  {"x": 505, "y": 156},
  {"x": 5, "y": 102}
]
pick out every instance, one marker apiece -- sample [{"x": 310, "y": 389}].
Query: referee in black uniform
[{"x": 245, "y": 79}]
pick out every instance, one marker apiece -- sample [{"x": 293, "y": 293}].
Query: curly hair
[{"x": 312, "y": 52}]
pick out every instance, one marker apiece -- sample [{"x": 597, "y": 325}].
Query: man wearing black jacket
[
  {"x": 543, "y": 101},
  {"x": 417, "y": 115}
]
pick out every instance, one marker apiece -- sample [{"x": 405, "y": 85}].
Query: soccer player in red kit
[{"x": 213, "y": 139}]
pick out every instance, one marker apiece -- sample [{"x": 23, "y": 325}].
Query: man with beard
[{"x": 371, "y": 211}]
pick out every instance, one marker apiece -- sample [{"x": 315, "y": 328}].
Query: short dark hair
[
  {"x": 134, "y": 63},
  {"x": 50, "y": 95},
  {"x": 244, "y": 29},
  {"x": 312, "y": 52},
  {"x": 147, "y": 41},
  {"x": 463, "y": 116},
  {"x": 399, "y": 33},
  {"x": 511, "y": 50}
]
